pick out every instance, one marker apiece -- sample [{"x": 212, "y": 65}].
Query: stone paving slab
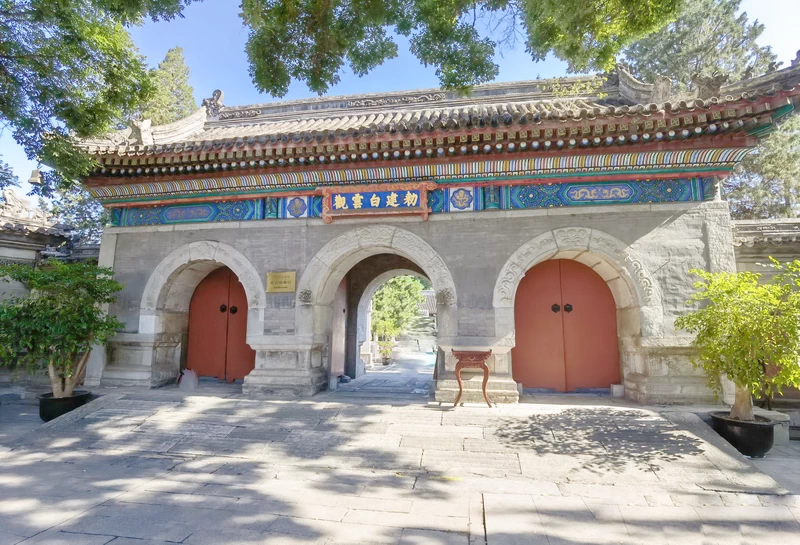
[{"x": 155, "y": 467}]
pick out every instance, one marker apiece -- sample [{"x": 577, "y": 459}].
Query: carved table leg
[
  {"x": 485, "y": 381},
  {"x": 460, "y": 385}
]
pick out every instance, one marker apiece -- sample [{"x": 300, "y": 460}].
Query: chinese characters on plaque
[
  {"x": 383, "y": 199},
  {"x": 376, "y": 199}
]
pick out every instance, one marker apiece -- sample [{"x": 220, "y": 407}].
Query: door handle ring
[
  {"x": 555, "y": 308},
  {"x": 223, "y": 308},
  {"x": 567, "y": 308},
  {"x": 234, "y": 310}
]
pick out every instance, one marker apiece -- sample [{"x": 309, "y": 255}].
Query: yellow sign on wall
[{"x": 280, "y": 282}]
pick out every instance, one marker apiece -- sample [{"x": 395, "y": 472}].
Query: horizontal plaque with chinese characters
[
  {"x": 281, "y": 282},
  {"x": 376, "y": 200}
]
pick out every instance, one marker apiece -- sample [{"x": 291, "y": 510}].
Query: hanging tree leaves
[
  {"x": 69, "y": 68},
  {"x": 313, "y": 40}
]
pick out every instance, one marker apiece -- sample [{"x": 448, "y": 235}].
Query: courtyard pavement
[{"x": 216, "y": 467}]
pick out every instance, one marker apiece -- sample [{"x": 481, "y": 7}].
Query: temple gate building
[{"x": 556, "y": 220}]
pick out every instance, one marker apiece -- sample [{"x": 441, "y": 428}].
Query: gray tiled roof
[{"x": 214, "y": 125}]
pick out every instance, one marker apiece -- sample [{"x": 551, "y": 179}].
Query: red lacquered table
[{"x": 470, "y": 359}]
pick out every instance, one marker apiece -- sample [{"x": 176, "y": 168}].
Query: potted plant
[
  {"x": 749, "y": 332},
  {"x": 385, "y": 349},
  {"x": 56, "y": 325}
]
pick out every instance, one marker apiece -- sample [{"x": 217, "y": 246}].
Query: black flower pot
[
  {"x": 52, "y": 407},
  {"x": 752, "y": 439}
]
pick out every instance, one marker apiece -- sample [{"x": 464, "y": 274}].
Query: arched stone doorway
[
  {"x": 164, "y": 307},
  {"x": 322, "y": 278},
  {"x": 636, "y": 295},
  {"x": 566, "y": 328}
]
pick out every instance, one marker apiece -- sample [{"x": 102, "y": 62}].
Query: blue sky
[{"x": 213, "y": 37}]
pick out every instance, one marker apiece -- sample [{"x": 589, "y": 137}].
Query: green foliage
[
  {"x": 69, "y": 68},
  {"x": 173, "y": 98},
  {"x": 395, "y": 305},
  {"x": 77, "y": 207},
  {"x": 707, "y": 38},
  {"x": 767, "y": 182},
  {"x": 311, "y": 40},
  {"x": 7, "y": 176},
  {"x": 746, "y": 330},
  {"x": 59, "y": 322}
]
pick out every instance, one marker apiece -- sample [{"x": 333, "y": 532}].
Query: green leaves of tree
[
  {"x": 395, "y": 305},
  {"x": 60, "y": 321},
  {"x": 173, "y": 97},
  {"x": 708, "y": 37},
  {"x": 69, "y": 68},
  {"x": 746, "y": 330},
  {"x": 310, "y": 40}
]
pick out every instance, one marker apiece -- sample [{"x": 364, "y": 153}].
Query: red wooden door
[
  {"x": 241, "y": 359},
  {"x": 538, "y": 357},
  {"x": 591, "y": 349},
  {"x": 208, "y": 326},
  {"x": 569, "y": 346},
  {"x": 217, "y": 344}
]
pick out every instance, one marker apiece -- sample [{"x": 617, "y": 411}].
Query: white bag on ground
[{"x": 188, "y": 380}]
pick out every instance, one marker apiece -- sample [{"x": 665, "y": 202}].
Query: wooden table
[{"x": 470, "y": 359}]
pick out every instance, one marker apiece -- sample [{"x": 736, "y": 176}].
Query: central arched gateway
[{"x": 566, "y": 324}]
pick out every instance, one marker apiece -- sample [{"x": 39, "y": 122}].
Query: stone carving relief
[
  {"x": 240, "y": 114},
  {"x": 15, "y": 209},
  {"x": 518, "y": 264},
  {"x": 305, "y": 296},
  {"x": 445, "y": 297},
  {"x": 642, "y": 278},
  {"x": 572, "y": 238},
  {"x": 433, "y": 97}
]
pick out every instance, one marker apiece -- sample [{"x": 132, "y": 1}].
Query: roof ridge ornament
[
  {"x": 709, "y": 86},
  {"x": 796, "y": 61},
  {"x": 214, "y": 104}
]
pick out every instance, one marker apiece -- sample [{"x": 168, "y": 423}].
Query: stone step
[{"x": 126, "y": 375}]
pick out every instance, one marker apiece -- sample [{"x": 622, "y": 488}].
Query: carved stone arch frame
[
  {"x": 325, "y": 271},
  {"x": 168, "y": 292},
  {"x": 635, "y": 291}
]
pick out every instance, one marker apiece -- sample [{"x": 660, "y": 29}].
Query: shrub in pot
[
  {"x": 749, "y": 332},
  {"x": 56, "y": 326},
  {"x": 385, "y": 349}
]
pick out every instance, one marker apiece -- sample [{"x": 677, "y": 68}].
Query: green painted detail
[{"x": 447, "y": 181}]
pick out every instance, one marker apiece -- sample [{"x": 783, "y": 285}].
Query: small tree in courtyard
[
  {"x": 57, "y": 325},
  {"x": 393, "y": 307},
  {"x": 747, "y": 331}
]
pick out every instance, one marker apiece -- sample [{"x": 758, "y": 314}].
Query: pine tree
[
  {"x": 708, "y": 37},
  {"x": 174, "y": 97},
  {"x": 767, "y": 183}
]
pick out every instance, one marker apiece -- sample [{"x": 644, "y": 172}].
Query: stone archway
[
  {"x": 164, "y": 307},
  {"x": 362, "y": 319},
  {"x": 636, "y": 294},
  {"x": 317, "y": 286}
]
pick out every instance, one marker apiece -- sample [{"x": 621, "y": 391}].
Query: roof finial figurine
[
  {"x": 214, "y": 104},
  {"x": 748, "y": 73},
  {"x": 773, "y": 66},
  {"x": 709, "y": 86},
  {"x": 796, "y": 61}
]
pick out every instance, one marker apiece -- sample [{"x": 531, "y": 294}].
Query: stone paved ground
[{"x": 158, "y": 467}]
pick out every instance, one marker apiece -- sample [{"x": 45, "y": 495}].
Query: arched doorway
[
  {"x": 217, "y": 344},
  {"x": 566, "y": 329}
]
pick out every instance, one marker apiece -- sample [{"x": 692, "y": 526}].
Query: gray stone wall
[{"x": 643, "y": 252}]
